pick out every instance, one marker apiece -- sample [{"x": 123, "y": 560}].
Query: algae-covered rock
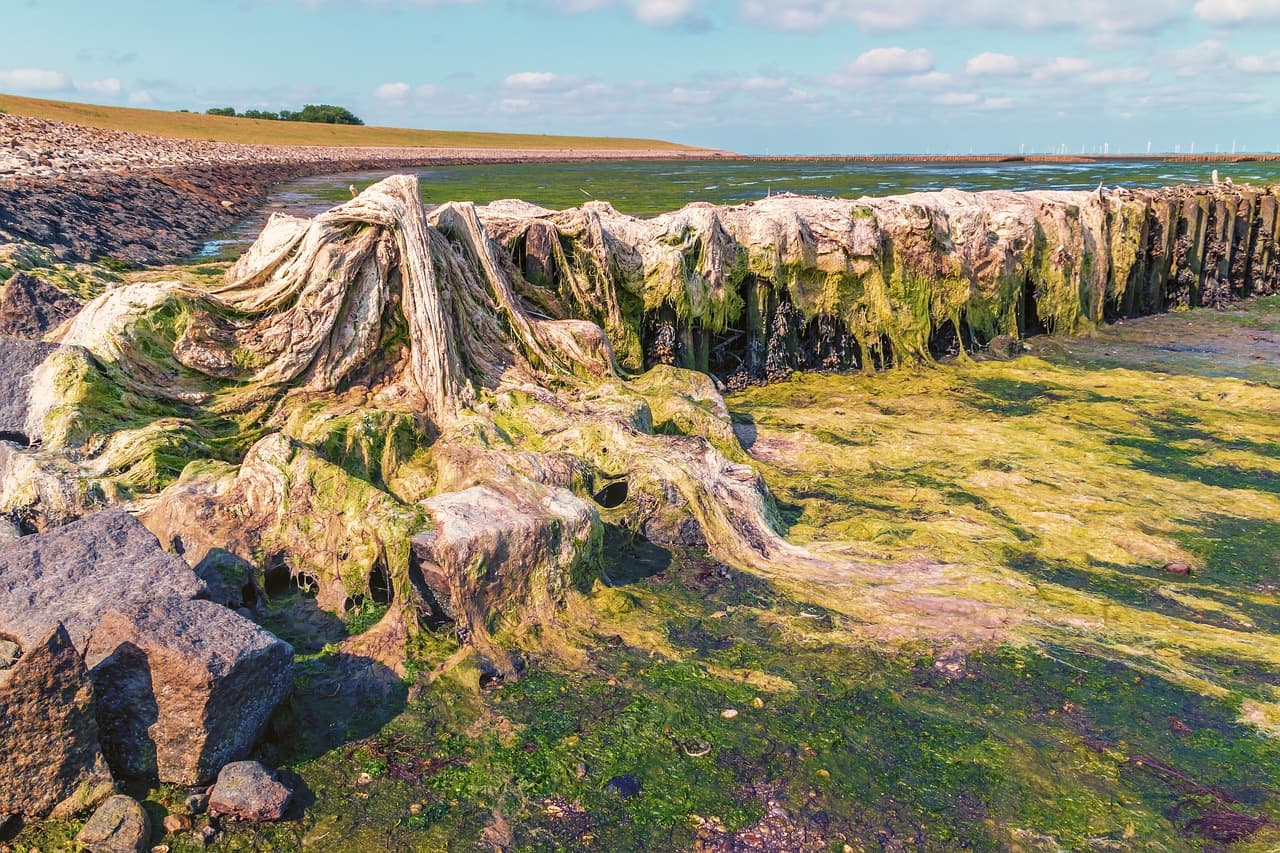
[{"x": 120, "y": 825}]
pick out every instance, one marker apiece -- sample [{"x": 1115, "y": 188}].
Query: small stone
[
  {"x": 757, "y": 702},
  {"x": 364, "y": 779},
  {"x": 206, "y": 834},
  {"x": 580, "y": 770},
  {"x": 246, "y": 790},
  {"x": 176, "y": 823},
  {"x": 9, "y": 653},
  {"x": 729, "y": 713},
  {"x": 120, "y": 825},
  {"x": 1177, "y": 568},
  {"x": 1004, "y": 347},
  {"x": 196, "y": 803},
  {"x": 160, "y": 848},
  {"x": 415, "y": 808},
  {"x": 696, "y": 748},
  {"x": 824, "y": 773},
  {"x": 625, "y": 786}
]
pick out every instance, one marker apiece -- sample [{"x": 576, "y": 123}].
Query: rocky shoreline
[{"x": 88, "y": 193}]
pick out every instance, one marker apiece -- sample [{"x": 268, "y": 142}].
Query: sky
[{"x": 752, "y": 76}]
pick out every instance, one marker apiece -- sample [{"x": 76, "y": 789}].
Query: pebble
[
  {"x": 729, "y": 713},
  {"x": 176, "y": 823},
  {"x": 625, "y": 786},
  {"x": 1177, "y": 568}
]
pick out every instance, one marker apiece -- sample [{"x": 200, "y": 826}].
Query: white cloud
[
  {"x": 537, "y": 80},
  {"x": 392, "y": 91},
  {"x": 1266, "y": 63},
  {"x": 662, "y": 13},
  {"x": 107, "y": 87},
  {"x": 891, "y": 61},
  {"x": 516, "y": 105},
  {"x": 34, "y": 80},
  {"x": 765, "y": 84},
  {"x": 1061, "y": 66},
  {"x": 141, "y": 98},
  {"x": 1236, "y": 12},
  {"x": 993, "y": 65},
  {"x": 899, "y": 15},
  {"x": 932, "y": 80},
  {"x": 1117, "y": 76},
  {"x": 957, "y": 99}
]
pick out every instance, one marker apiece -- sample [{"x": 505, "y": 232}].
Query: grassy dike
[
  {"x": 177, "y": 125},
  {"x": 1114, "y": 706}
]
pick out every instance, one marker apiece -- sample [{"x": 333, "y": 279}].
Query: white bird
[
  {"x": 354, "y": 191},
  {"x": 1215, "y": 177}
]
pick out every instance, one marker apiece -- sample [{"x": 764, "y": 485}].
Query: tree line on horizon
[{"x": 319, "y": 113}]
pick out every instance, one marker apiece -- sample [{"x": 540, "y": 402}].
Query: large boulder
[
  {"x": 185, "y": 687},
  {"x": 31, "y": 307},
  {"x": 20, "y": 359},
  {"x": 48, "y": 731},
  {"x": 182, "y": 684},
  {"x": 120, "y": 825},
  {"x": 246, "y": 790},
  {"x": 74, "y": 574}
]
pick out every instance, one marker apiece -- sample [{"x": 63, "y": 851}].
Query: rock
[
  {"x": 20, "y": 359},
  {"x": 184, "y": 687},
  {"x": 1004, "y": 347},
  {"x": 206, "y": 834},
  {"x": 1177, "y": 568},
  {"x": 729, "y": 713},
  {"x": 131, "y": 605},
  {"x": 247, "y": 791},
  {"x": 9, "y": 653},
  {"x": 196, "y": 803},
  {"x": 52, "y": 761},
  {"x": 625, "y": 786},
  {"x": 31, "y": 307},
  {"x": 74, "y": 574},
  {"x": 8, "y": 530},
  {"x": 227, "y": 577},
  {"x": 176, "y": 823},
  {"x": 120, "y": 825}
]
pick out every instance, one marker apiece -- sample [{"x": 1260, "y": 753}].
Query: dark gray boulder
[
  {"x": 20, "y": 359},
  {"x": 184, "y": 687},
  {"x": 31, "y": 307}
]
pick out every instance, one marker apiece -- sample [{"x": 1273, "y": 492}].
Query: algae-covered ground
[{"x": 1102, "y": 703}]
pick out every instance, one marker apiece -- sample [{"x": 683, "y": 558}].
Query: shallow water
[{"x": 647, "y": 188}]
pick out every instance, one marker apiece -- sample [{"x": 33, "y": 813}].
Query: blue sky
[{"x": 755, "y": 76}]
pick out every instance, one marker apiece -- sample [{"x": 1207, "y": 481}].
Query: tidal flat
[{"x": 1104, "y": 703}]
